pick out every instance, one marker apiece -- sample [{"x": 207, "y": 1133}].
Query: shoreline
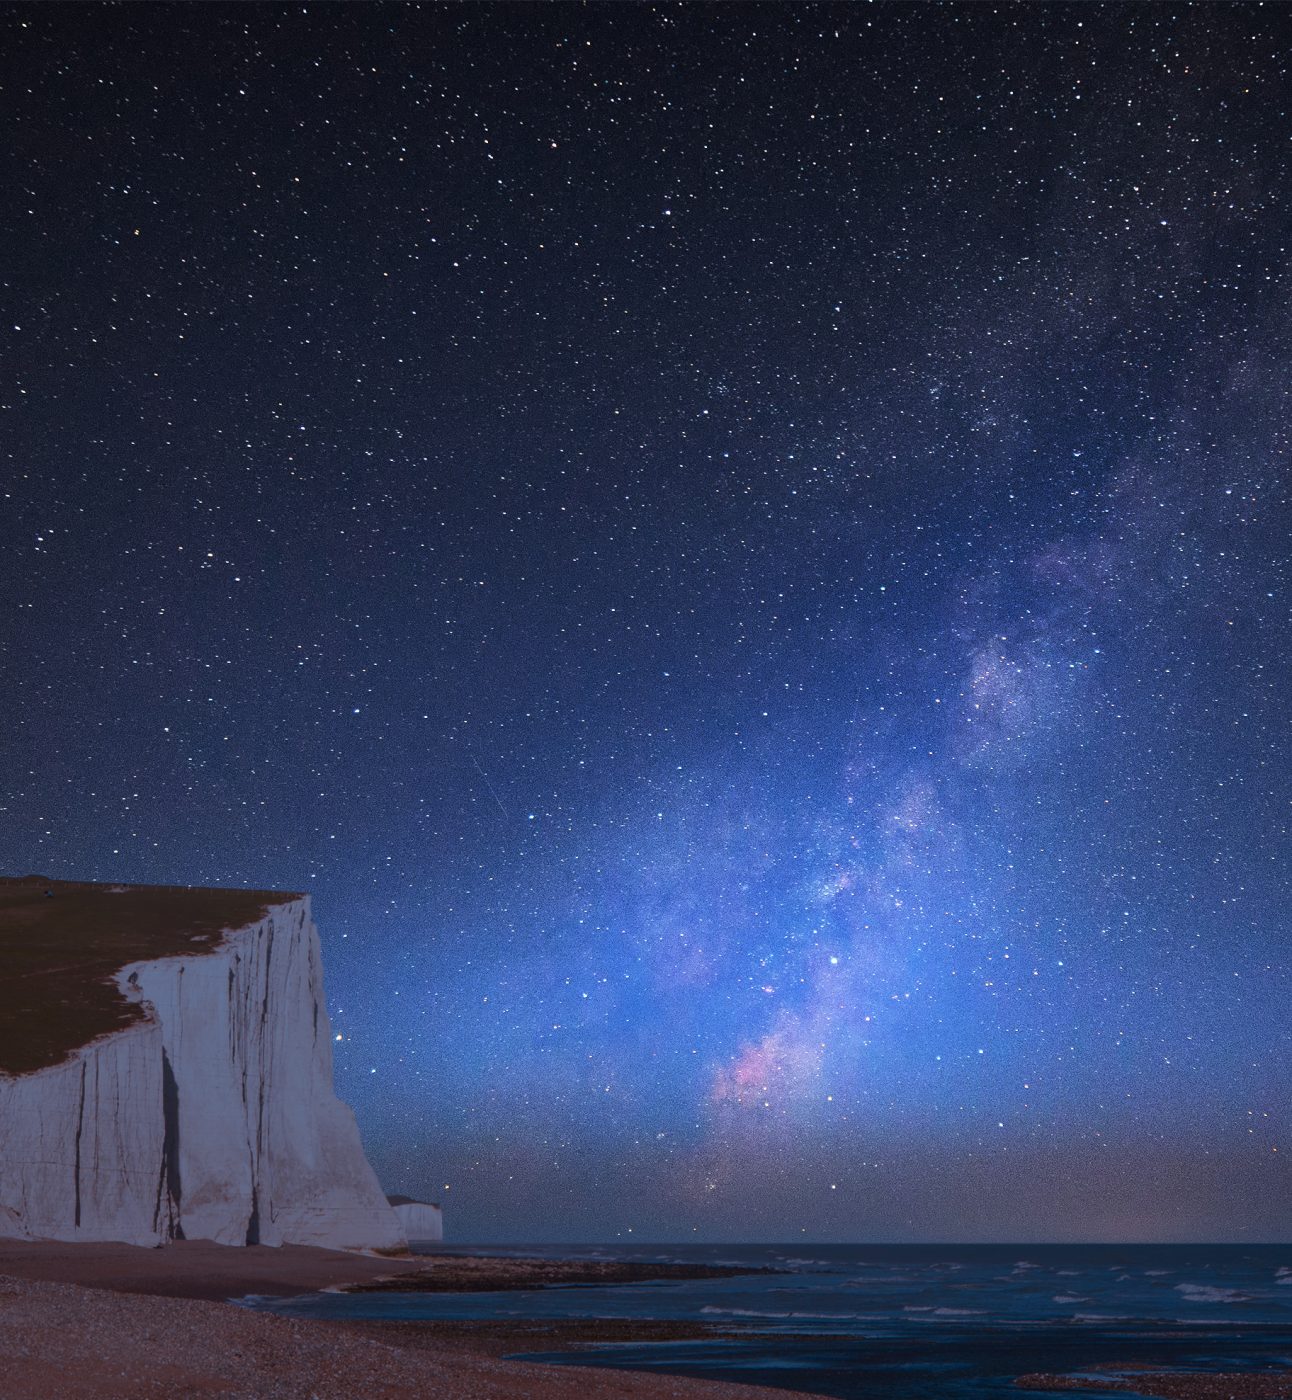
[
  {"x": 120, "y": 1322},
  {"x": 220, "y": 1273},
  {"x": 531, "y": 1336},
  {"x": 197, "y": 1268},
  {"x": 493, "y": 1273},
  {"x": 64, "y": 1341}
]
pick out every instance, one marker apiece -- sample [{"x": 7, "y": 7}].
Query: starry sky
[{"x": 742, "y": 554}]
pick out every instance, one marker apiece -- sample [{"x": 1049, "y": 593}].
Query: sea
[{"x": 905, "y": 1322}]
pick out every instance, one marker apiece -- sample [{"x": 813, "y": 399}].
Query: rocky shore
[
  {"x": 1173, "y": 1385},
  {"x": 488, "y": 1273}
]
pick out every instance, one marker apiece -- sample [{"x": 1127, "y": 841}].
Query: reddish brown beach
[
  {"x": 195, "y": 1268},
  {"x": 117, "y": 1322},
  {"x": 1174, "y": 1385}
]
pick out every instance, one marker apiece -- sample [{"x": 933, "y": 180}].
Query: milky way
[{"x": 741, "y": 554}]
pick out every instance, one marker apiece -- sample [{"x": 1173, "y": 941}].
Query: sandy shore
[
  {"x": 114, "y": 1322},
  {"x": 196, "y": 1268},
  {"x": 200, "y": 1269},
  {"x": 63, "y": 1342}
]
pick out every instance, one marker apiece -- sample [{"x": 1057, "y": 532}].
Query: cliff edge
[
  {"x": 166, "y": 1072},
  {"x": 421, "y": 1221}
]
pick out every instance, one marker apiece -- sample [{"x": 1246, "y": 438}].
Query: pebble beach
[{"x": 64, "y": 1341}]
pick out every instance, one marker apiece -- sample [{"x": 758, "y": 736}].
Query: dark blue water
[{"x": 910, "y": 1322}]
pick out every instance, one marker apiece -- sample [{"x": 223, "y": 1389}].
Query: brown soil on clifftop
[{"x": 62, "y": 941}]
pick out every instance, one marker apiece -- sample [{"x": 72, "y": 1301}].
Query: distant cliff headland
[{"x": 166, "y": 1072}]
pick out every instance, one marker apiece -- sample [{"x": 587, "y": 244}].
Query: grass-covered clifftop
[{"x": 62, "y": 942}]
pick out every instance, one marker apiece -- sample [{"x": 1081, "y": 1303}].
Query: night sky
[{"x": 740, "y": 552}]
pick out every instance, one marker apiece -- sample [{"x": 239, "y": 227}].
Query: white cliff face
[
  {"x": 421, "y": 1222},
  {"x": 214, "y": 1119},
  {"x": 81, "y": 1144}
]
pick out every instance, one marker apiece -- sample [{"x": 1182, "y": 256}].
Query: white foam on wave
[
  {"x": 1207, "y": 1293},
  {"x": 778, "y": 1316}
]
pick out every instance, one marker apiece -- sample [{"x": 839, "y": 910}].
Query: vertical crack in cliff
[
  {"x": 237, "y": 1027},
  {"x": 170, "y": 1143},
  {"x": 80, "y": 1127},
  {"x": 168, "y": 1228},
  {"x": 219, "y": 1107},
  {"x": 253, "y": 1226},
  {"x": 264, "y": 1043}
]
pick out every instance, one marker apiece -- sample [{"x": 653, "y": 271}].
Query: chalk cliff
[
  {"x": 190, "y": 1090},
  {"x": 421, "y": 1221}
]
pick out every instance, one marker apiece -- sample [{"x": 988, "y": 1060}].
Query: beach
[{"x": 117, "y": 1322}]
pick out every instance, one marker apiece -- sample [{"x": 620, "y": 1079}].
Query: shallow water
[{"x": 908, "y": 1322}]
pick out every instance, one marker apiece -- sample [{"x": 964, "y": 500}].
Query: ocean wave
[
  {"x": 944, "y": 1312},
  {"x": 713, "y": 1311},
  {"x": 1069, "y": 1298},
  {"x": 1226, "y": 1323},
  {"x": 1207, "y": 1293}
]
